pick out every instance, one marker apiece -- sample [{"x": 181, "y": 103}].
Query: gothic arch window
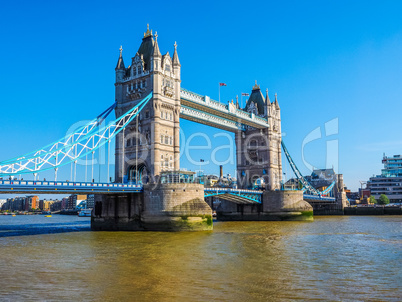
[
  {"x": 161, "y": 139},
  {"x": 139, "y": 69},
  {"x": 134, "y": 70}
]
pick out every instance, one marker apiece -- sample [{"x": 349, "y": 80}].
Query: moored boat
[{"x": 85, "y": 213}]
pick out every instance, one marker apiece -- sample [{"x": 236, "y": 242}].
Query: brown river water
[{"x": 339, "y": 258}]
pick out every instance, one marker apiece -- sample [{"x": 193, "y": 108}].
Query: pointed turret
[
  {"x": 156, "y": 52},
  {"x": 176, "y": 61},
  {"x": 276, "y": 101},
  {"x": 267, "y": 97},
  {"x": 267, "y": 103},
  {"x": 120, "y": 69},
  {"x": 120, "y": 63}
]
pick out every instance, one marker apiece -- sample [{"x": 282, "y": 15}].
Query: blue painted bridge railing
[
  {"x": 253, "y": 196},
  {"x": 318, "y": 198},
  {"x": 61, "y": 187}
]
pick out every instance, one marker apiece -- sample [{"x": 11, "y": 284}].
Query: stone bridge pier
[
  {"x": 161, "y": 207},
  {"x": 275, "y": 206}
]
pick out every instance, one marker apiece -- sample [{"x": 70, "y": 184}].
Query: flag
[
  {"x": 245, "y": 94},
  {"x": 222, "y": 84}
]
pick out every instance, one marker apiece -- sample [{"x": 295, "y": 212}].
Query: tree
[
  {"x": 372, "y": 199},
  {"x": 383, "y": 199}
]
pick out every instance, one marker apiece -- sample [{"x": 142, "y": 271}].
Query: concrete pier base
[
  {"x": 275, "y": 206},
  {"x": 162, "y": 207}
]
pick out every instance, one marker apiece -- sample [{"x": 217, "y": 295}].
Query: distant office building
[
  {"x": 90, "y": 201},
  {"x": 75, "y": 200},
  {"x": 55, "y": 206},
  {"x": 14, "y": 204},
  {"x": 31, "y": 202},
  {"x": 47, "y": 204},
  {"x": 18, "y": 204},
  {"x": 64, "y": 203},
  {"x": 390, "y": 180}
]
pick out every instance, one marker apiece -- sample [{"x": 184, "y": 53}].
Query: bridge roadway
[
  {"x": 239, "y": 196},
  {"x": 65, "y": 187}
]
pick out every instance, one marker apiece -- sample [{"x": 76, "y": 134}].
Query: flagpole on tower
[
  {"x": 220, "y": 84},
  {"x": 219, "y": 92},
  {"x": 243, "y": 94}
]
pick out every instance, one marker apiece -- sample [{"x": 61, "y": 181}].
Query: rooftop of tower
[
  {"x": 257, "y": 98},
  {"x": 147, "y": 47}
]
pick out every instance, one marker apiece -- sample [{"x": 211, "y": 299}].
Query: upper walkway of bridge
[{"x": 202, "y": 109}]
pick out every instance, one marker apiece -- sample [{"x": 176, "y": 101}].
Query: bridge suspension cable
[
  {"x": 306, "y": 185},
  {"x": 69, "y": 149},
  {"x": 67, "y": 139}
]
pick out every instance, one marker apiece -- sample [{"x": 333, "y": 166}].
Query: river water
[{"x": 338, "y": 258}]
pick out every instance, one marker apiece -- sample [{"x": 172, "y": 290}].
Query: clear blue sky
[{"x": 325, "y": 60}]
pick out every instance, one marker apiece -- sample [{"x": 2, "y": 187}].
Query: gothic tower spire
[
  {"x": 176, "y": 61},
  {"x": 156, "y": 52},
  {"x": 276, "y": 101},
  {"x": 120, "y": 63},
  {"x": 267, "y": 103}
]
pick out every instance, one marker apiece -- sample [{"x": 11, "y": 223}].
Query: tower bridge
[{"x": 151, "y": 192}]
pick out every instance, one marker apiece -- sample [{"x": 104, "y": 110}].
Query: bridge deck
[
  {"x": 239, "y": 196},
  {"x": 64, "y": 187}
]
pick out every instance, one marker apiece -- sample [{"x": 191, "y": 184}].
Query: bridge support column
[
  {"x": 276, "y": 205},
  {"x": 161, "y": 207},
  {"x": 287, "y": 205}
]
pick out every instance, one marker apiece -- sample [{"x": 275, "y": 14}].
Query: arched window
[
  {"x": 161, "y": 139},
  {"x": 134, "y": 71},
  {"x": 139, "y": 69}
]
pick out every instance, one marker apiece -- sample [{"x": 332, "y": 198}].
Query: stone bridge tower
[
  {"x": 258, "y": 151},
  {"x": 150, "y": 144}
]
